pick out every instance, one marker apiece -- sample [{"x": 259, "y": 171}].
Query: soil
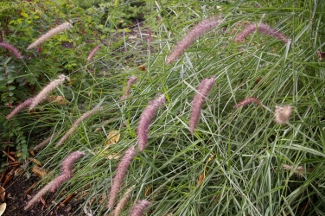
[{"x": 16, "y": 199}]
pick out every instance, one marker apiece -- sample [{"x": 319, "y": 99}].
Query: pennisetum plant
[
  {"x": 66, "y": 174},
  {"x": 51, "y": 33},
  {"x": 198, "y": 101},
  {"x": 42, "y": 95},
  {"x": 145, "y": 120},
  {"x": 197, "y": 31},
  {"x": 121, "y": 171},
  {"x": 139, "y": 208},
  {"x": 10, "y": 47},
  {"x": 77, "y": 122},
  {"x": 262, "y": 28}
]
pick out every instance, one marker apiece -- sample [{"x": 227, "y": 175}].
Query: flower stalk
[
  {"x": 66, "y": 174},
  {"x": 145, "y": 120},
  {"x": 51, "y": 33},
  {"x": 76, "y": 123},
  {"x": 92, "y": 53},
  {"x": 139, "y": 208},
  {"x": 197, "y": 31},
  {"x": 198, "y": 101},
  {"x": 11, "y": 48},
  {"x": 121, "y": 171},
  {"x": 42, "y": 95},
  {"x": 19, "y": 108},
  {"x": 262, "y": 28}
]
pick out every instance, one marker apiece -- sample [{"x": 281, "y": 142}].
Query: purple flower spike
[
  {"x": 139, "y": 208},
  {"x": 67, "y": 169},
  {"x": 92, "y": 53},
  {"x": 198, "y": 101},
  {"x": 128, "y": 87},
  {"x": 12, "y": 49},
  {"x": 262, "y": 28},
  {"x": 145, "y": 120},
  {"x": 121, "y": 170},
  {"x": 197, "y": 31},
  {"x": 19, "y": 108},
  {"x": 67, "y": 166}
]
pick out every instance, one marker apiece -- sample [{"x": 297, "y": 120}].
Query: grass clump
[{"x": 233, "y": 162}]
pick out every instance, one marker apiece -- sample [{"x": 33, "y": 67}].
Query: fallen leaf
[
  {"x": 40, "y": 172},
  {"x": 112, "y": 138},
  {"x": 35, "y": 161},
  {"x": 148, "y": 190},
  {"x": 19, "y": 171},
  {"x": 2, "y": 208},
  {"x": 201, "y": 178},
  {"x": 57, "y": 99}
]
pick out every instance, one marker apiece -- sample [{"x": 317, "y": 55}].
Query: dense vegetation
[{"x": 233, "y": 164}]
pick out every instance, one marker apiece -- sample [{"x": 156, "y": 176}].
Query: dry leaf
[
  {"x": 35, "y": 161},
  {"x": 57, "y": 99},
  {"x": 148, "y": 190},
  {"x": 40, "y": 172},
  {"x": 113, "y": 156},
  {"x": 201, "y": 178},
  {"x": 112, "y": 138},
  {"x": 2, "y": 193},
  {"x": 2, "y": 208},
  {"x": 19, "y": 171}
]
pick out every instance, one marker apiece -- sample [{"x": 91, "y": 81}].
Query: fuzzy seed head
[
  {"x": 51, "y": 33},
  {"x": 42, "y": 95},
  {"x": 66, "y": 174},
  {"x": 145, "y": 120},
  {"x": 121, "y": 171},
  {"x": 19, "y": 108},
  {"x": 128, "y": 87},
  {"x": 197, "y": 31},
  {"x": 139, "y": 208},
  {"x": 76, "y": 124},
  {"x": 198, "y": 101},
  {"x": 282, "y": 114},
  {"x": 262, "y": 28},
  {"x": 10, "y": 47},
  {"x": 92, "y": 53}
]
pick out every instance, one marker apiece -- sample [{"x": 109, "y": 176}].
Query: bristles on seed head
[
  {"x": 51, "y": 33},
  {"x": 282, "y": 114}
]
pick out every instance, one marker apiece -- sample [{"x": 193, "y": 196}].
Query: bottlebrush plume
[
  {"x": 19, "y": 108},
  {"x": 282, "y": 114},
  {"x": 76, "y": 123},
  {"x": 43, "y": 143},
  {"x": 128, "y": 87},
  {"x": 300, "y": 170},
  {"x": 42, "y": 95},
  {"x": 197, "y": 31},
  {"x": 51, "y": 33},
  {"x": 12, "y": 49},
  {"x": 67, "y": 169},
  {"x": 198, "y": 101},
  {"x": 139, "y": 208},
  {"x": 67, "y": 166},
  {"x": 262, "y": 28},
  {"x": 92, "y": 53},
  {"x": 145, "y": 120},
  {"x": 121, "y": 171},
  {"x": 125, "y": 199},
  {"x": 247, "y": 101},
  {"x": 321, "y": 55}
]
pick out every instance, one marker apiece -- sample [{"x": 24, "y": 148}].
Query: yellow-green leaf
[{"x": 24, "y": 14}]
